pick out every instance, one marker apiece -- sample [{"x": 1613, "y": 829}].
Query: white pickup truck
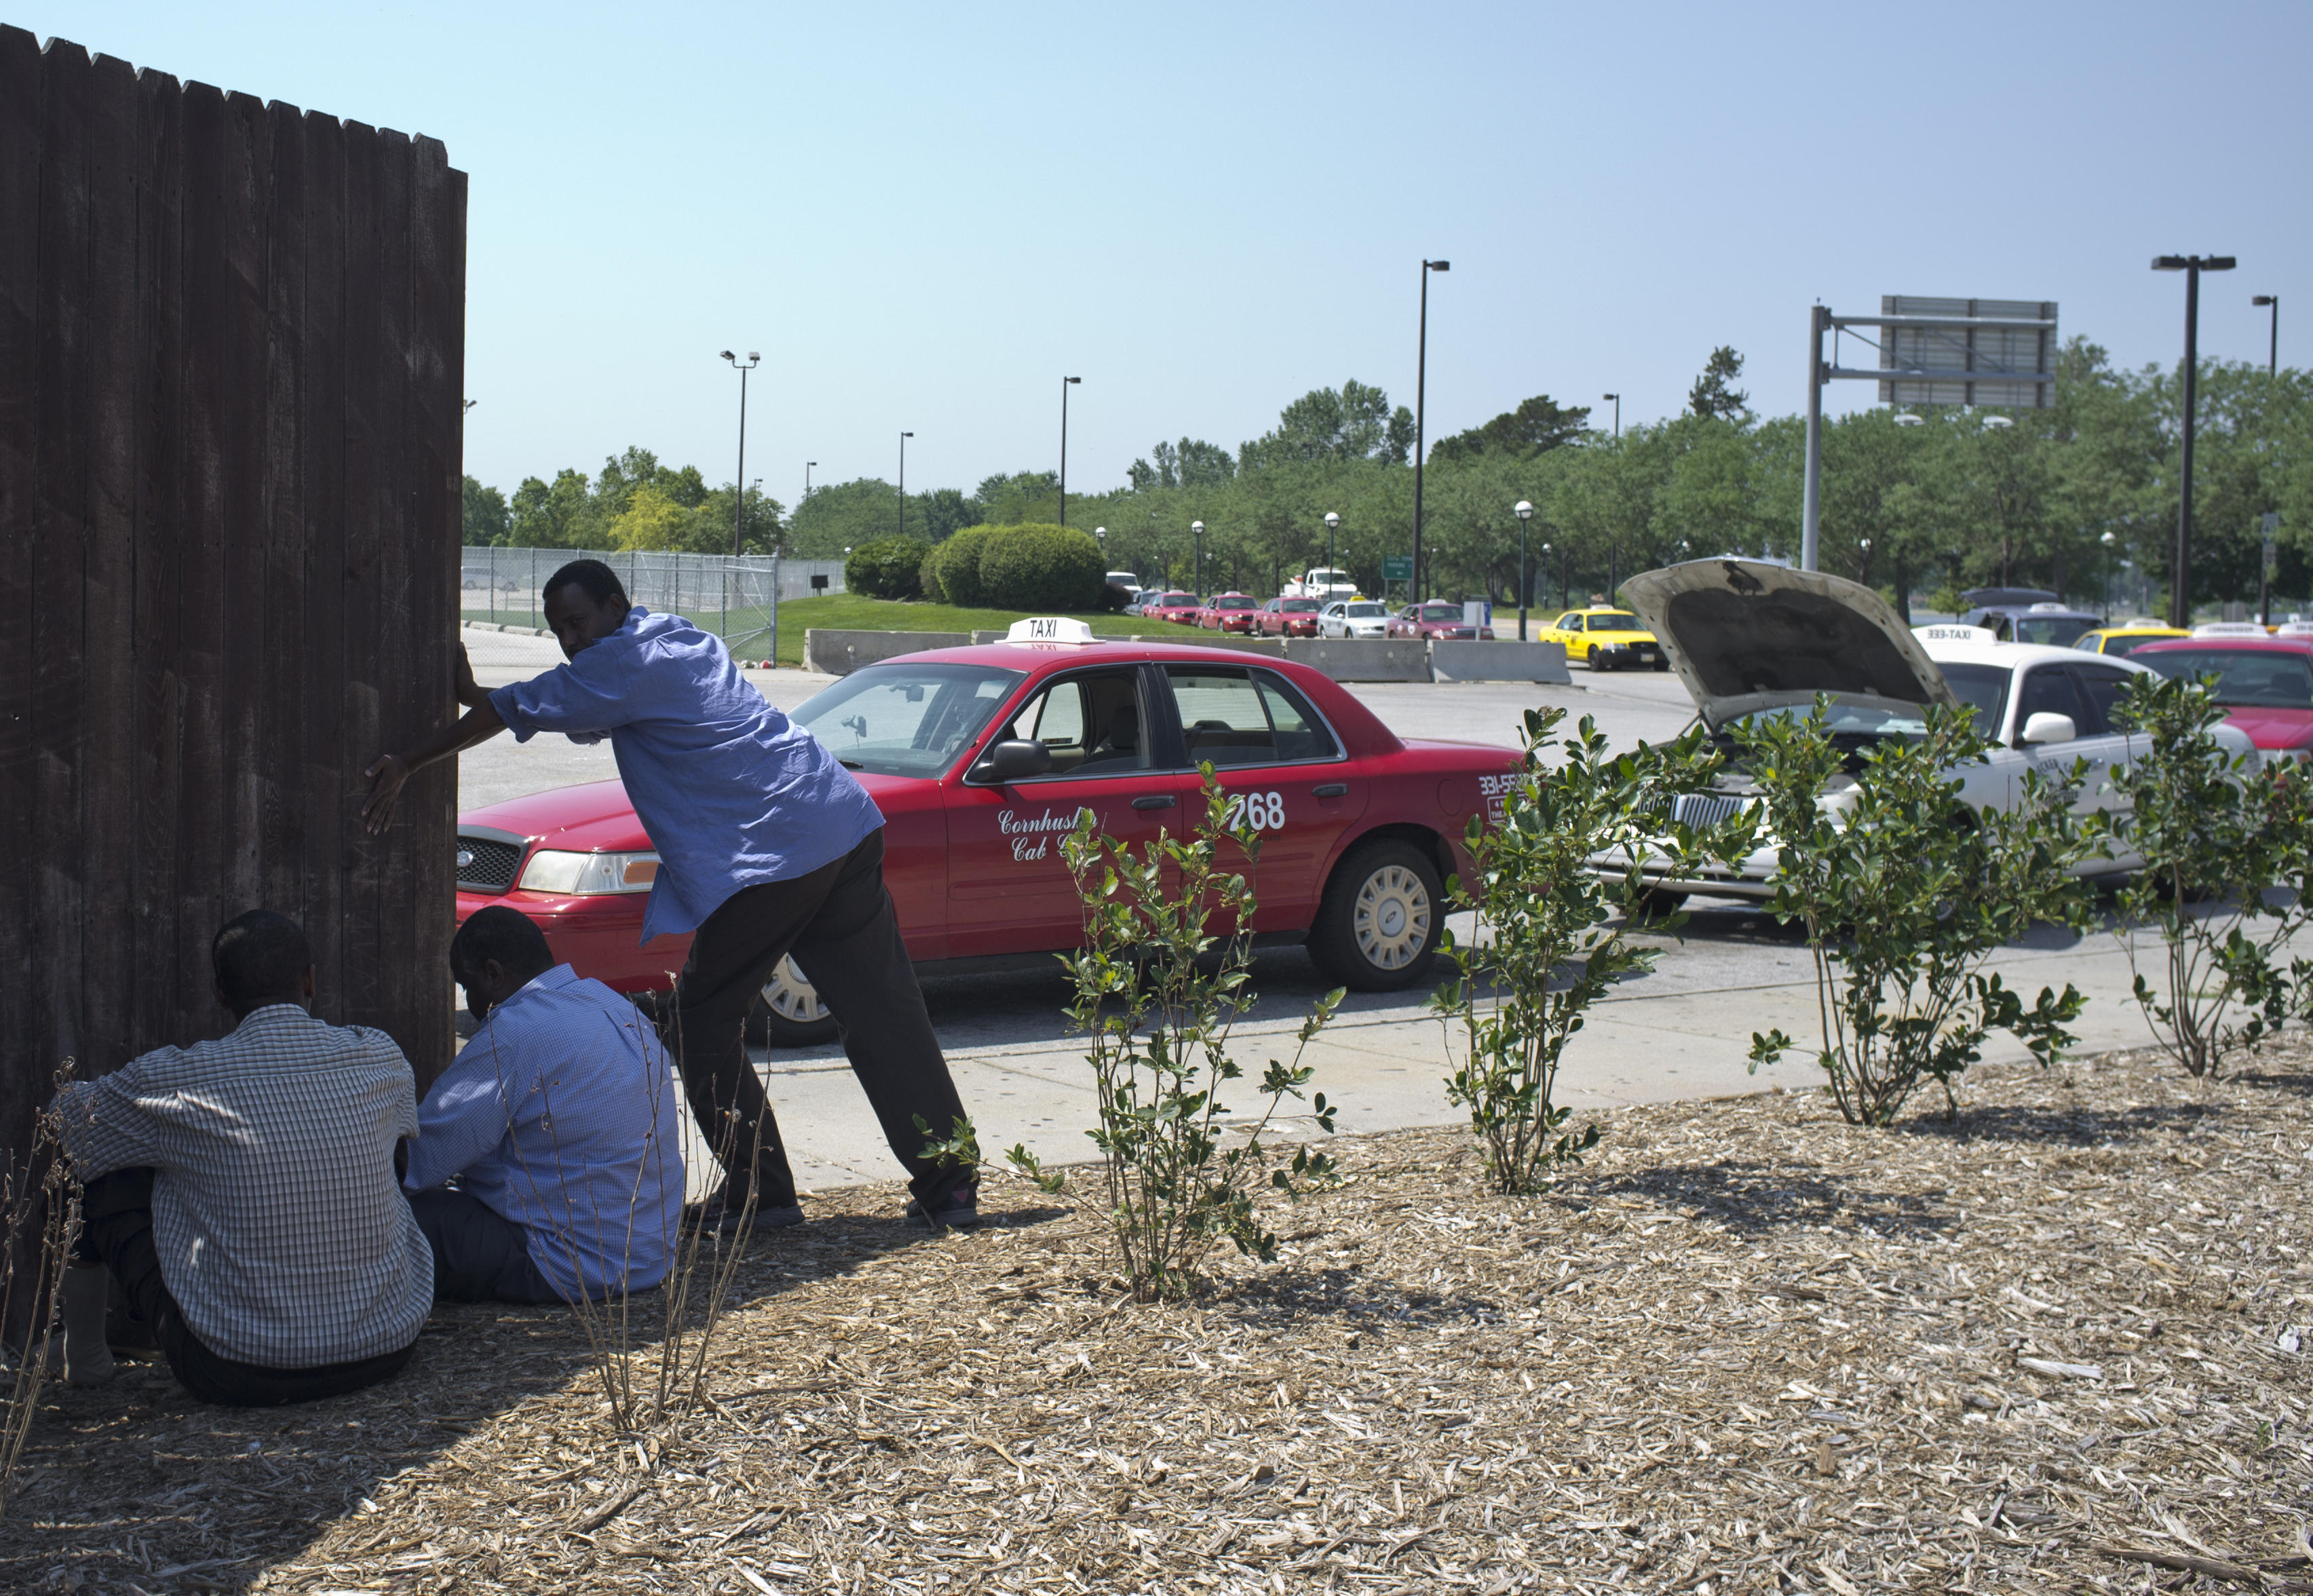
[{"x": 1320, "y": 583}]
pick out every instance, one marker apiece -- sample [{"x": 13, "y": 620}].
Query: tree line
[{"x": 1924, "y": 500}]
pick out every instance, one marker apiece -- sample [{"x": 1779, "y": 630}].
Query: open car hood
[{"x": 1745, "y": 637}]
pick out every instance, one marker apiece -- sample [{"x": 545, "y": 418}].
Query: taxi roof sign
[
  {"x": 1051, "y": 628},
  {"x": 1955, "y": 634},
  {"x": 2229, "y": 629},
  {"x": 2294, "y": 629}
]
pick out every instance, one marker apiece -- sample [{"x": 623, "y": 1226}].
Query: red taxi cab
[
  {"x": 1288, "y": 618},
  {"x": 982, "y": 758},
  {"x": 1228, "y": 612},
  {"x": 1437, "y": 619},
  {"x": 2264, "y": 681},
  {"x": 1180, "y": 608}
]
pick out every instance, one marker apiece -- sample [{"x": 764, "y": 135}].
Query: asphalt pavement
[{"x": 1680, "y": 1031}]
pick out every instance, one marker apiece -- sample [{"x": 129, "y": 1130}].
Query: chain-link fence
[{"x": 737, "y": 599}]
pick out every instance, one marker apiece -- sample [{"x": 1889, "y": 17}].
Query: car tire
[
  {"x": 1378, "y": 924},
  {"x": 790, "y": 1013},
  {"x": 1598, "y": 660},
  {"x": 1662, "y": 662},
  {"x": 1656, "y": 903}
]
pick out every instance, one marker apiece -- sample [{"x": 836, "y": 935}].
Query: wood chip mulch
[{"x": 2060, "y": 1345}]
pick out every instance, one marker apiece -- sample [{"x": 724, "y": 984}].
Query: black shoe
[
  {"x": 958, "y": 1211},
  {"x": 711, "y": 1213}
]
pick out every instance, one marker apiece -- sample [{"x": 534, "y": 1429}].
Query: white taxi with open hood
[{"x": 1749, "y": 638}]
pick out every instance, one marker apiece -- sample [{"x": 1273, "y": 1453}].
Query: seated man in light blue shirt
[{"x": 558, "y": 1122}]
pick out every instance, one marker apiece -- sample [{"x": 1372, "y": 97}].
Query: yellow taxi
[
  {"x": 1604, "y": 639},
  {"x": 2125, "y": 637}
]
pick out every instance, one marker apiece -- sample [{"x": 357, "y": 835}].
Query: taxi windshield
[
  {"x": 1234, "y": 601},
  {"x": 1441, "y": 611},
  {"x": 1614, "y": 621},
  {"x": 903, "y": 718},
  {"x": 2055, "y": 630},
  {"x": 1366, "y": 609},
  {"x": 1177, "y": 599},
  {"x": 1298, "y": 606},
  {"x": 2246, "y": 678}
]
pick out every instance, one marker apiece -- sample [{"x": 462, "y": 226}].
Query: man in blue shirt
[
  {"x": 558, "y": 1120},
  {"x": 767, "y": 846}
]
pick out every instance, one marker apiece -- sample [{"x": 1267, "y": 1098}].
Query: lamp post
[
  {"x": 1333, "y": 525},
  {"x": 1863, "y": 567},
  {"x": 1064, "y": 384},
  {"x": 1617, "y": 400},
  {"x": 2107, "y": 542},
  {"x": 807, "y": 477},
  {"x": 2180, "y": 575},
  {"x": 1420, "y": 392},
  {"x": 2273, "y": 336},
  {"x": 1197, "y": 531},
  {"x": 903, "y": 481},
  {"x": 1525, "y": 513},
  {"x": 739, "y": 510}
]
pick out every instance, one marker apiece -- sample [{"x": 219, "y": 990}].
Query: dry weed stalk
[{"x": 40, "y": 1203}]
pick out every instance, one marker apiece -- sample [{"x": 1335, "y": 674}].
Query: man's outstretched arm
[{"x": 390, "y": 770}]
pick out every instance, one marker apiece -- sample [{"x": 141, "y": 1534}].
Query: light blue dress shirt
[
  {"x": 731, "y": 792},
  {"x": 561, "y": 1114}
]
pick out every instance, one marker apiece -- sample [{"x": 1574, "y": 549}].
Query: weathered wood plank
[
  {"x": 204, "y": 837},
  {"x": 108, "y": 750},
  {"x": 403, "y": 718},
  {"x": 246, "y": 177},
  {"x": 333, "y": 771},
  {"x": 364, "y": 484},
  {"x": 160, "y": 536},
  {"x": 281, "y": 765},
  {"x": 60, "y": 552}
]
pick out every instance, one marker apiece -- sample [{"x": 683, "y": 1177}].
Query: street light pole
[
  {"x": 1525, "y": 513},
  {"x": 2180, "y": 582},
  {"x": 807, "y": 477},
  {"x": 1421, "y": 416},
  {"x": 1618, "y": 414},
  {"x": 739, "y": 482},
  {"x": 1197, "y": 531},
  {"x": 903, "y": 481},
  {"x": 1065, "y": 381},
  {"x": 2272, "y": 337},
  {"x": 2107, "y": 542},
  {"x": 1332, "y": 525}
]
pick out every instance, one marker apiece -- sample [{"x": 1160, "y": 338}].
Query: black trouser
[
  {"x": 480, "y": 1255},
  {"x": 117, "y": 1231},
  {"x": 838, "y": 924}
]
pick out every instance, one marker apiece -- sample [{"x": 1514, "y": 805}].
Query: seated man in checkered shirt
[
  {"x": 558, "y": 1122},
  {"x": 241, "y": 1194}
]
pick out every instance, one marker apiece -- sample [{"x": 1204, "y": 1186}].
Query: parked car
[
  {"x": 1604, "y": 639},
  {"x": 1286, "y": 617},
  {"x": 2265, "y": 681},
  {"x": 1228, "y": 612},
  {"x": 2123, "y": 638},
  {"x": 1749, "y": 639},
  {"x": 1354, "y": 618},
  {"x": 982, "y": 758},
  {"x": 2025, "y": 615},
  {"x": 1173, "y": 605},
  {"x": 1435, "y": 619}
]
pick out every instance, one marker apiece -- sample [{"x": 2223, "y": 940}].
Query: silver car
[{"x": 1354, "y": 618}]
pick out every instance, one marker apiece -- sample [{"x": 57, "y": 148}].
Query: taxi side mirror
[
  {"x": 2048, "y": 727},
  {"x": 1013, "y": 760}
]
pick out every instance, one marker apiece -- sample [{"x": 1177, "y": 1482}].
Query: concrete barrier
[
  {"x": 1363, "y": 659},
  {"x": 1452, "y": 661},
  {"x": 840, "y": 653}
]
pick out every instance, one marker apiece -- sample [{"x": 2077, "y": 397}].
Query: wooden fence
[{"x": 232, "y": 358}]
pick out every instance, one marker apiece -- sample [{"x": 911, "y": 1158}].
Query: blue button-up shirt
[
  {"x": 561, "y": 1114},
  {"x": 731, "y": 792}
]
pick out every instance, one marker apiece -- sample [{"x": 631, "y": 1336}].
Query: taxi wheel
[
  {"x": 1377, "y": 928},
  {"x": 1598, "y": 660},
  {"x": 1662, "y": 662},
  {"x": 790, "y": 1014}
]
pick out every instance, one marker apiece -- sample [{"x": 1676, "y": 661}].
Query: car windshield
[
  {"x": 2124, "y": 645},
  {"x": 2246, "y": 678},
  {"x": 1614, "y": 621},
  {"x": 1981, "y": 687},
  {"x": 1176, "y": 600},
  {"x": 1851, "y": 719},
  {"x": 1233, "y": 601},
  {"x": 2055, "y": 630},
  {"x": 904, "y": 718},
  {"x": 1298, "y": 606},
  {"x": 1441, "y": 611},
  {"x": 1369, "y": 609}
]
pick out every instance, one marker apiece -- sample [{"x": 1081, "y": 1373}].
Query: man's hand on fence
[
  {"x": 469, "y": 692},
  {"x": 386, "y": 775}
]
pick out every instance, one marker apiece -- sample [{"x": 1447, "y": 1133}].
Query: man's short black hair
[
  {"x": 506, "y": 935},
  {"x": 260, "y": 957},
  {"x": 597, "y": 580}
]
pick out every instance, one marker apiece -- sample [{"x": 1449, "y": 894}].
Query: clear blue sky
[{"x": 924, "y": 217}]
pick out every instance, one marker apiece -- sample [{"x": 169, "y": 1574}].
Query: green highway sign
[{"x": 1397, "y": 567}]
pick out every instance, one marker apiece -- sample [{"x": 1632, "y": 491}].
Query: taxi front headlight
[{"x": 588, "y": 875}]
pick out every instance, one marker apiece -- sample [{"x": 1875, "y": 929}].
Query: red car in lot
[
  {"x": 1228, "y": 612},
  {"x": 1435, "y": 619},
  {"x": 1180, "y": 608},
  {"x": 2265, "y": 683},
  {"x": 1288, "y": 618},
  {"x": 982, "y": 758}
]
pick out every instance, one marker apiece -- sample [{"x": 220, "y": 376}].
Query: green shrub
[
  {"x": 1051, "y": 569},
  {"x": 888, "y": 568},
  {"x": 953, "y": 567}
]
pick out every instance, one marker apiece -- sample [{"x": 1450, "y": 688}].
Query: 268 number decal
[{"x": 1262, "y": 811}]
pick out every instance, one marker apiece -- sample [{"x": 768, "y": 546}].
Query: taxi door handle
[
  {"x": 1330, "y": 789},
  {"x": 1154, "y": 801}
]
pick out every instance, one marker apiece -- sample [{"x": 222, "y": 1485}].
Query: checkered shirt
[{"x": 282, "y": 1232}]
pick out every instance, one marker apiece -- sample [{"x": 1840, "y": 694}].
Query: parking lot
[{"x": 1682, "y": 1031}]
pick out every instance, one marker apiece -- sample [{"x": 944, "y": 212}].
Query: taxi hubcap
[
  {"x": 1392, "y": 917},
  {"x": 791, "y": 997}
]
